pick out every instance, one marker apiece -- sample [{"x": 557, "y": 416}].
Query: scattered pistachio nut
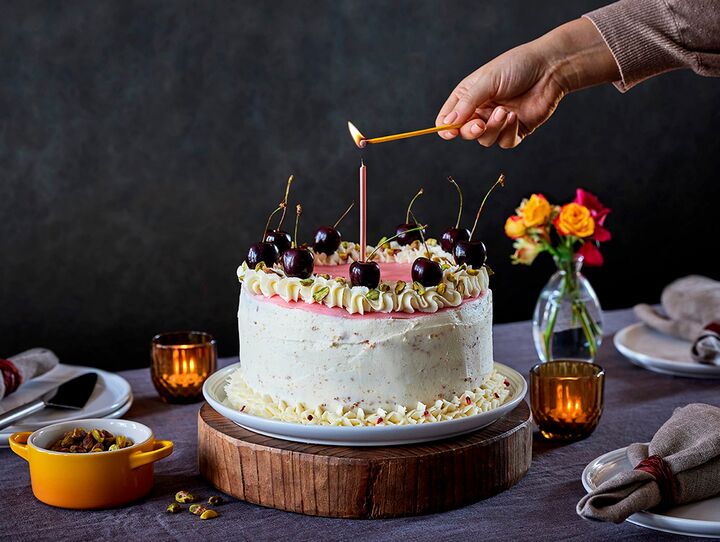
[
  {"x": 400, "y": 286},
  {"x": 184, "y": 497},
  {"x": 384, "y": 287},
  {"x": 173, "y": 508},
  {"x": 321, "y": 294},
  {"x": 307, "y": 282},
  {"x": 197, "y": 509},
  {"x": 209, "y": 514},
  {"x": 215, "y": 500},
  {"x": 419, "y": 288}
]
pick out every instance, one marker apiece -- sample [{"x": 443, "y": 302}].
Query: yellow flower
[
  {"x": 575, "y": 219},
  {"x": 535, "y": 211},
  {"x": 515, "y": 227},
  {"x": 526, "y": 250}
]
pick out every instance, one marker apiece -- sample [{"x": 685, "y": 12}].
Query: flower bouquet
[{"x": 567, "y": 322}]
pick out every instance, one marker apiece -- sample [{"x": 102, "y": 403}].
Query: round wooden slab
[{"x": 382, "y": 482}]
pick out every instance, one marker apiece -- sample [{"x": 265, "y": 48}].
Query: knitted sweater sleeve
[{"x": 650, "y": 37}]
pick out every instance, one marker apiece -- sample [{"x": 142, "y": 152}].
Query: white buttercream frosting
[{"x": 493, "y": 392}]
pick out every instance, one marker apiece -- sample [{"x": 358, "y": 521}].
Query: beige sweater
[{"x": 649, "y": 37}]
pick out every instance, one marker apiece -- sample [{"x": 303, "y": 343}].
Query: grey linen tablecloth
[{"x": 540, "y": 507}]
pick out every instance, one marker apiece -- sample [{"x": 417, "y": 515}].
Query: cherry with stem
[
  {"x": 402, "y": 232},
  {"x": 424, "y": 270},
  {"x": 264, "y": 251},
  {"x": 327, "y": 238},
  {"x": 281, "y": 239},
  {"x": 473, "y": 253},
  {"x": 298, "y": 261},
  {"x": 451, "y": 236}
]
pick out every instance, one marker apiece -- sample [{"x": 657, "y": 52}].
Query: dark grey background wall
[{"x": 143, "y": 143}]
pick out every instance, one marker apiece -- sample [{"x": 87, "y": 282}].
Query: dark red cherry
[
  {"x": 452, "y": 236},
  {"x": 472, "y": 253},
  {"x": 281, "y": 239},
  {"x": 262, "y": 252},
  {"x": 365, "y": 274},
  {"x": 298, "y": 262},
  {"x": 326, "y": 240},
  {"x": 404, "y": 237},
  {"x": 426, "y": 272}
]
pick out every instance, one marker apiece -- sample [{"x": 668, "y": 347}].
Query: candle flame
[{"x": 360, "y": 140}]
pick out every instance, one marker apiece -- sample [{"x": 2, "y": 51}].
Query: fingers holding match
[{"x": 495, "y": 124}]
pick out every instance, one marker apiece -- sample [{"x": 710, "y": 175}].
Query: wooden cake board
[{"x": 364, "y": 482}]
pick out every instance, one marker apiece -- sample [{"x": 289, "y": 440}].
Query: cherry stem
[
  {"x": 386, "y": 241},
  {"x": 407, "y": 215},
  {"x": 500, "y": 181},
  {"x": 267, "y": 224},
  {"x": 422, "y": 235},
  {"x": 285, "y": 200},
  {"x": 457, "y": 187},
  {"x": 344, "y": 215},
  {"x": 298, "y": 212}
]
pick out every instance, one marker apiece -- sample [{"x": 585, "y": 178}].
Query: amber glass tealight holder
[
  {"x": 181, "y": 362},
  {"x": 566, "y": 398}
]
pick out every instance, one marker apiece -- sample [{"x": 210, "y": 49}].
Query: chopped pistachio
[
  {"x": 78, "y": 433},
  {"x": 415, "y": 244},
  {"x": 451, "y": 278},
  {"x": 384, "y": 287},
  {"x": 419, "y": 288},
  {"x": 400, "y": 286},
  {"x": 209, "y": 514},
  {"x": 173, "y": 508},
  {"x": 324, "y": 275},
  {"x": 340, "y": 280},
  {"x": 97, "y": 435},
  {"x": 113, "y": 447},
  {"x": 431, "y": 242},
  {"x": 307, "y": 282},
  {"x": 373, "y": 295},
  {"x": 121, "y": 441},
  {"x": 321, "y": 294},
  {"x": 472, "y": 272},
  {"x": 441, "y": 288},
  {"x": 445, "y": 266},
  {"x": 260, "y": 266},
  {"x": 97, "y": 448}
]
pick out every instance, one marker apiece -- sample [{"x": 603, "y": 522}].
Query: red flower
[
  {"x": 599, "y": 212},
  {"x": 590, "y": 254}
]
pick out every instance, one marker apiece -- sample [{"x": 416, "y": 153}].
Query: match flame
[{"x": 357, "y": 136}]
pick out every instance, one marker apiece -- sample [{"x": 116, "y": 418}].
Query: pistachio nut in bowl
[{"x": 115, "y": 469}]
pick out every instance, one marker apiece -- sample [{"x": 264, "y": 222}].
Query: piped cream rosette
[{"x": 459, "y": 282}]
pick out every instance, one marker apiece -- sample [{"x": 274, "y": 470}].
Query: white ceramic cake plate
[
  {"x": 661, "y": 353},
  {"x": 695, "y": 519},
  {"x": 214, "y": 392}
]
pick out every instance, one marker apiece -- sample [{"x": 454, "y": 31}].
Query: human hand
[{"x": 505, "y": 100}]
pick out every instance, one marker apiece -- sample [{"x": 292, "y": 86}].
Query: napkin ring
[
  {"x": 11, "y": 376},
  {"x": 658, "y": 468}
]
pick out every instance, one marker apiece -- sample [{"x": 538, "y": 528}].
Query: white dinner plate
[
  {"x": 661, "y": 353},
  {"x": 111, "y": 392},
  {"x": 700, "y": 518},
  {"x": 5, "y": 433},
  {"x": 214, "y": 392}
]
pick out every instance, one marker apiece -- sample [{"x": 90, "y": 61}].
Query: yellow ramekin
[{"x": 91, "y": 480}]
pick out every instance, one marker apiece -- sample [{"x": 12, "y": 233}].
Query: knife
[{"x": 72, "y": 395}]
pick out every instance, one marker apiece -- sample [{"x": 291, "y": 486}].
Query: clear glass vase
[{"x": 567, "y": 322}]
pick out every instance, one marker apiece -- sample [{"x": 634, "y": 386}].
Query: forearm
[{"x": 577, "y": 55}]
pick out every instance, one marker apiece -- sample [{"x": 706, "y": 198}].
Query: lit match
[{"x": 361, "y": 141}]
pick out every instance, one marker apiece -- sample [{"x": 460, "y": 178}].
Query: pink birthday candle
[{"x": 363, "y": 210}]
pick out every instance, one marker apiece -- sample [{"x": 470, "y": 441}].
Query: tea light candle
[{"x": 181, "y": 362}]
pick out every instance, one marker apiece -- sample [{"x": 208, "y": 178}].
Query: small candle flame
[{"x": 357, "y": 136}]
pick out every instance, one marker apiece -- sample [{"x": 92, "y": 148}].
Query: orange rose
[
  {"x": 575, "y": 219},
  {"x": 535, "y": 211},
  {"x": 515, "y": 227}
]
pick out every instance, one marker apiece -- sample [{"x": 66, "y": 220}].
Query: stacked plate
[{"x": 111, "y": 398}]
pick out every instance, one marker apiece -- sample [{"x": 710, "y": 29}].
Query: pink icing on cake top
[{"x": 389, "y": 271}]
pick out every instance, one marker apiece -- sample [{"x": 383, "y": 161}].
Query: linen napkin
[
  {"x": 17, "y": 370},
  {"x": 680, "y": 465},
  {"x": 690, "y": 304}
]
